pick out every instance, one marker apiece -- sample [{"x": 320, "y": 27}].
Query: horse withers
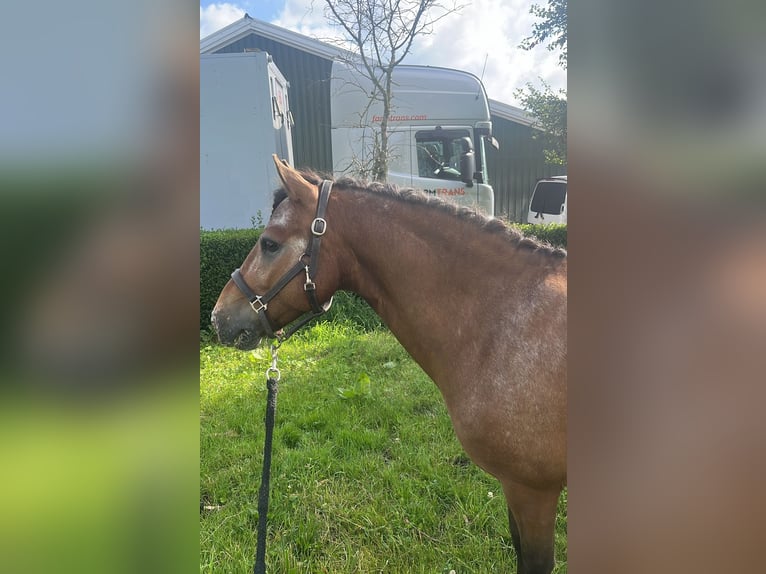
[{"x": 482, "y": 309}]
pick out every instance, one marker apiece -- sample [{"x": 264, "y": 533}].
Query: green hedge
[
  {"x": 553, "y": 233},
  {"x": 220, "y": 253},
  {"x": 223, "y": 251}
]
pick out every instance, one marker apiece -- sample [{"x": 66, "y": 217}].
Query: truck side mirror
[
  {"x": 467, "y": 163},
  {"x": 467, "y": 167}
]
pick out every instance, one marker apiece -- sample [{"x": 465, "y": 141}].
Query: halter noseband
[{"x": 307, "y": 263}]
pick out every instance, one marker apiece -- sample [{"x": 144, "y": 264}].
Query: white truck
[
  {"x": 244, "y": 118},
  {"x": 438, "y": 129}
]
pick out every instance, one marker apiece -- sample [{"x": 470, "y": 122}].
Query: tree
[
  {"x": 552, "y": 29},
  {"x": 546, "y": 106},
  {"x": 550, "y": 110},
  {"x": 382, "y": 32}
]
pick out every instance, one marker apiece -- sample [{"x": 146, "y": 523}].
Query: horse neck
[{"x": 437, "y": 281}]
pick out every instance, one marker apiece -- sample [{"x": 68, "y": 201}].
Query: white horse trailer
[{"x": 244, "y": 119}]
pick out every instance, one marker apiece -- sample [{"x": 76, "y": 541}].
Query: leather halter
[{"x": 307, "y": 263}]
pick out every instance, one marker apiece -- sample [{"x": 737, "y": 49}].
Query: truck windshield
[{"x": 439, "y": 153}]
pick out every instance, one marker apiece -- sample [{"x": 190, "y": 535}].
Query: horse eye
[{"x": 268, "y": 245}]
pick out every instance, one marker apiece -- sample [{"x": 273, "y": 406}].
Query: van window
[
  {"x": 439, "y": 153},
  {"x": 549, "y": 197}
]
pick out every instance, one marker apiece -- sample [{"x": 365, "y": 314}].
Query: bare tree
[{"x": 382, "y": 32}]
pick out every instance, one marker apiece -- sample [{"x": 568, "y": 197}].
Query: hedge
[
  {"x": 223, "y": 251},
  {"x": 220, "y": 253},
  {"x": 553, "y": 233}
]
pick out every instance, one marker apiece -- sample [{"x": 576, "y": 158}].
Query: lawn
[{"x": 367, "y": 474}]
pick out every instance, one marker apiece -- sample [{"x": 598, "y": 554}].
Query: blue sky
[{"x": 485, "y": 30}]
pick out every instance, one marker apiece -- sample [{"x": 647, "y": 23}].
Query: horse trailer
[{"x": 244, "y": 118}]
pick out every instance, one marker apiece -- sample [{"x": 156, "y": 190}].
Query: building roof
[
  {"x": 248, "y": 25},
  {"x": 512, "y": 113}
]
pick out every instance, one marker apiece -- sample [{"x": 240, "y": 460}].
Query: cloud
[
  {"x": 307, "y": 17},
  {"x": 491, "y": 31},
  {"x": 215, "y": 16}
]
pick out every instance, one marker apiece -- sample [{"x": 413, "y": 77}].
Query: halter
[{"x": 307, "y": 263}]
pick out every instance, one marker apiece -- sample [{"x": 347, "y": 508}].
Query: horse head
[{"x": 282, "y": 277}]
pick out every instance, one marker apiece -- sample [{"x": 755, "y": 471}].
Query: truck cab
[{"x": 438, "y": 129}]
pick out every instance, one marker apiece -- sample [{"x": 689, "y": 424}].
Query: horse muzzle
[{"x": 243, "y": 334}]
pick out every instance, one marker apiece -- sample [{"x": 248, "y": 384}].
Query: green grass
[{"x": 367, "y": 475}]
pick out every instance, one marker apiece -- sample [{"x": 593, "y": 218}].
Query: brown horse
[{"x": 482, "y": 310}]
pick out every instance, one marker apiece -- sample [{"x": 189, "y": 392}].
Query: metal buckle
[
  {"x": 273, "y": 372},
  {"x": 309, "y": 285},
  {"x": 314, "y": 226},
  {"x": 263, "y": 306}
]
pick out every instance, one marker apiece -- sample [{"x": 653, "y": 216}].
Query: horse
[{"x": 481, "y": 308}]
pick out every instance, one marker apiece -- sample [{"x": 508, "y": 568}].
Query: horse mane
[{"x": 492, "y": 225}]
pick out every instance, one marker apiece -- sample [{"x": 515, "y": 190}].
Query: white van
[{"x": 548, "y": 203}]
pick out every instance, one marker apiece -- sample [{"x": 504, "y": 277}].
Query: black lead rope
[{"x": 272, "y": 381}]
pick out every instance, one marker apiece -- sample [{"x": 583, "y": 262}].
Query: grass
[{"x": 367, "y": 475}]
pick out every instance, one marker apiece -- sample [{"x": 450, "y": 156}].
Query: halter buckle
[
  {"x": 318, "y": 221},
  {"x": 309, "y": 285},
  {"x": 261, "y": 305}
]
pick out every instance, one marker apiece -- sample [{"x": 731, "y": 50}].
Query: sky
[{"x": 482, "y": 39}]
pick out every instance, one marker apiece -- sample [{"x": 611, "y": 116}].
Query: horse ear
[{"x": 297, "y": 188}]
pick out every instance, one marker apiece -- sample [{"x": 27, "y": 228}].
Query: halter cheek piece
[{"x": 307, "y": 263}]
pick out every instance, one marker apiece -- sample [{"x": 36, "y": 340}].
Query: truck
[
  {"x": 245, "y": 117},
  {"x": 438, "y": 130}
]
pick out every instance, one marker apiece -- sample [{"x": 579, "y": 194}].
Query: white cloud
[
  {"x": 491, "y": 29},
  {"x": 215, "y": 16},
  {"x": 307, "y": 17}
]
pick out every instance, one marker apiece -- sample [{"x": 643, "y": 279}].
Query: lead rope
[{"x": 272, "y": 379}]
